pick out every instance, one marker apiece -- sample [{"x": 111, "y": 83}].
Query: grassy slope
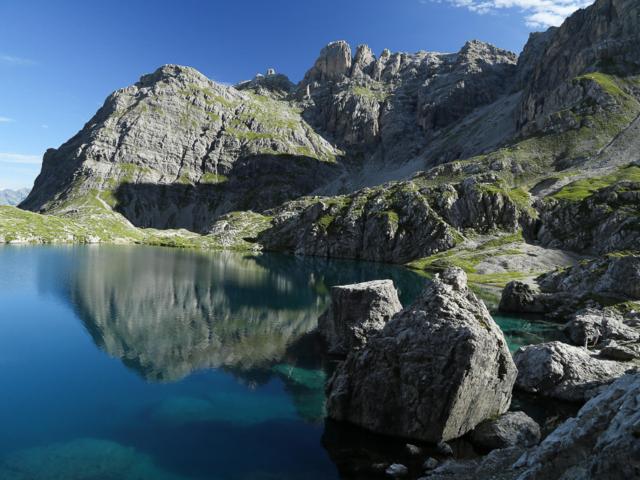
[{"x": 90, "y": 220}]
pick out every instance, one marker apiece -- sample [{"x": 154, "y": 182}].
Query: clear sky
[{"x": 60, "y": 59}]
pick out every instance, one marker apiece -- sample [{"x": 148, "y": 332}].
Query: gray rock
[
  {"x": 513, "y": 429},
  {"x": 397, "y": 470},
  {"x": 590, "y": 327},
  {"x": 444, "y": 448},
  {"x": 603, "y": 222},
  {"x": 601, "y": 442},
  {"x": 561, "y": 292},
  {"x": 521, "y": 297},
  {"x": 392, "y": 223},
  {"x": 436, "y": 370},
  {"x": 413, "y": 449},
  {"x": 356, "y": 312},
  {"x": 606, "y": 33},
  {"x": 429, "y": 464},
  {"x": 616, "y": 277},
  {"x": 622, "y": 353},
  {"x": 333, "y": 63},
  {"x": 564, "y": 372}
]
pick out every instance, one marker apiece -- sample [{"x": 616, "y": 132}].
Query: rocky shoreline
[{"x": 438, "y": 370}]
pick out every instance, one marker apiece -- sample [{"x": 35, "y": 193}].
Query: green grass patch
[
  {"x": 581, "y": 189},
  {"x": 213, "y": 178},
  {"x": 607, "y": 82},
  {"x": 325, "y": 221}
]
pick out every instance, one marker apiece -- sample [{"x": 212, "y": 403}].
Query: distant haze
[{"x": 13, "y": 197}]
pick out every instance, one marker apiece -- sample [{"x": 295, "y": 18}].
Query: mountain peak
[
  {"x": 172, "y": 71},
  {"x": 333, "y": 63}
]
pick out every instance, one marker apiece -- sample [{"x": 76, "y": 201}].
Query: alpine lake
[{"x": 154, "y": 363}]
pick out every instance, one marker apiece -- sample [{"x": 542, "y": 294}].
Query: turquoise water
[{"x": 150, "y": 363}]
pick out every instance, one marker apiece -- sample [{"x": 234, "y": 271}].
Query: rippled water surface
[{"x": 150, "y": 363}]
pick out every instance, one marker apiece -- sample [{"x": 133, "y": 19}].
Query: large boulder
[
  {"x": 513, "y": 429},
  {"x": 564, "y": 372},
  {"x": 593, "y": 326},
  {"x": 601, "y": 442},
  {"x": 434, "y": 372},
  {"x": 521, "y": 297},
  {"x": 357, "y": 312}
]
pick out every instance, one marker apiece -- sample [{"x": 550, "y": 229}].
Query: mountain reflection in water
[{"x": 167, "y": 314}]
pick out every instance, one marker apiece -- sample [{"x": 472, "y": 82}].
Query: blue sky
[{"x": 59, "y": 60}]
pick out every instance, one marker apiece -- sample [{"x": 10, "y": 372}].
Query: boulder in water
[{"x": 434, "y": 372}]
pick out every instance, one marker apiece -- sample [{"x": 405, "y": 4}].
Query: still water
[{"x": 151, "y": 363}]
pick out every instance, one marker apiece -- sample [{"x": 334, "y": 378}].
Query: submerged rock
[
  {"x": 81, "y": 459},
  {"x": 564, "y": 372},
  {"x": 436, "y": 370},
  {"x": 357, "y": 311},
  {"x": 513, "y": 429}
]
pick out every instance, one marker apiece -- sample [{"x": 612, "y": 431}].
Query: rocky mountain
[
  {"x": 395, "y": 157},
  {"x": 13, "y": 197}
]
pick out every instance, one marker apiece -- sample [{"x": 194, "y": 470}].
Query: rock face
[
  {"x": 392, "y": 223},
  {"x": 357, "y": 312},
  {"x": 177, "y": 150},
  {"x": 591, "y": 327},
  {"x": 434, "y": 372},
  {"x": 600, "y": 442},
  {"x": 602, "y": 36},
  {"x": 561, "y": 293},
  {"x": 605, "y": 221},
  {"x": 564, "y": 372},
  {"x": 615, "y": 277},
  {"x": 389, "y": 106},
  {"x": 513, "y": 429},
  {"x": 334, "y": 63}
]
